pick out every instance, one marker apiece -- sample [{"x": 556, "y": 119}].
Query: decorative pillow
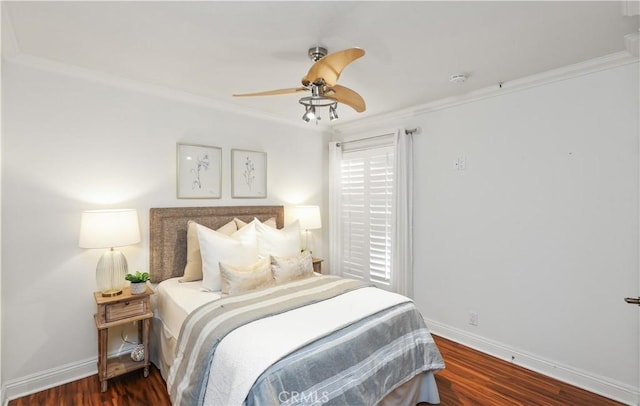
[
  {"x": 291, "y": 268},
  {"x": 228, "y": 228},
  {"x": 271, "y": 222},
  {"x": 283, "y": 243},
  {"x": 238, "y": 249},
  {"x": 240, "y": 279},
  {"x": 193, "y": 269}
]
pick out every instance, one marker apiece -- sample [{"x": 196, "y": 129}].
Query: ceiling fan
[{"x": 321, "y": 82}]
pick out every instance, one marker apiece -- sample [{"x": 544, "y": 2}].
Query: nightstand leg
[
  {"x": 140, "y": 336},
  {"x": 145, "y": 341},
  {"x": 102, "y": 358}
]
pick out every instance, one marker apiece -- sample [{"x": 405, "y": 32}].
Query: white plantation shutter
[
  {"x": 371, "y": 210},
  {"x": 365, "y": 213}
]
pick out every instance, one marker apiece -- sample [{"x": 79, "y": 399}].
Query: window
[
  {"x": 370, "y": 210},
  {"x": 365, "y": 213}
]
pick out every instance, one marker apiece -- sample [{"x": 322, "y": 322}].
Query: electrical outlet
[
  {"x": 473, "y": 318},
  {"x": 460, "y": 163}
]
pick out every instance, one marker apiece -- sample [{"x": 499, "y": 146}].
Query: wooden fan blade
[
  {"x": 346, "y": 96},
  {"x": 274, "y": 92},
  {"x": 330, "y": 67}
]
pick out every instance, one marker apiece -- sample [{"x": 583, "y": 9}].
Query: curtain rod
[{"x": 408, "y": 132}]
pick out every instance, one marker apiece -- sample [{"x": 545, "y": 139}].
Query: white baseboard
[
  {"x": 53, "y": 377},
  {"x": 50, "y": 378},
  {"x": 582, "y": 379}
]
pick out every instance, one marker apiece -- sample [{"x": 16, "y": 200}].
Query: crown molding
[
  {"x": 11, "y": 53},
  {"x": 566, "y": 72},
  {"x": 77, "y": 72}
]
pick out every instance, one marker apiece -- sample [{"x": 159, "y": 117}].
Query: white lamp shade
[
  {"x": 109, "y": 228},
  {"x": 308, "y": 216}
]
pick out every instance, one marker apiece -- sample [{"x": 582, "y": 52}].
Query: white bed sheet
[{"x": 175, "y": 300}]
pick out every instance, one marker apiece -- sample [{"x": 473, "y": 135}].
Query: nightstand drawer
[{"x": 123, "y": 310}]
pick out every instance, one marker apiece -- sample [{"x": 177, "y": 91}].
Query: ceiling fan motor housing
[{"x": 316, "y": 53}]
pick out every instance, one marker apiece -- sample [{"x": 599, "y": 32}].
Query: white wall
[
  {"x": 71, "y": 145},
  {"x": 2, "y": 390},
  {"x": 539, "y": 235}
]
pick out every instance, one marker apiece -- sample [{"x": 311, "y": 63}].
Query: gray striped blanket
[
  {"x": 398, "y": 336},
  {"x": 204, "y": 328},
  {"x": 358, "y": 365}
]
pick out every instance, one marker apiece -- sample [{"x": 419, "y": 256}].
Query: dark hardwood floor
[
  {"x": 470, "y": 378},
  {"x": 474, "y": 378}
]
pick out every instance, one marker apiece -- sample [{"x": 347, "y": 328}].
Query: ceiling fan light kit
[
  {"x": 333, "y": 114},
  {"x": 318, "y": 99},
  {"x": 321, "y": 82},
  {"x": 309, "y": 114}
]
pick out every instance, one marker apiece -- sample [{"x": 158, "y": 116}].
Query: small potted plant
[{"x": 138, "y": 282}]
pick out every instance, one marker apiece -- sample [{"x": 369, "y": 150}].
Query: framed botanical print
[
  {"x": 199, "y": 172},
  {"x": 248, "y": 174}
]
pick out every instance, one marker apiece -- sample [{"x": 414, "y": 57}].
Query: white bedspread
[{"x": 246, "y": 352}]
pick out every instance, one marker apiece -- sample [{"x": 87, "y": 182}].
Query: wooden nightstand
[
  {"x": 317, "y": 265},
  {"x": 116, "y": 311}
]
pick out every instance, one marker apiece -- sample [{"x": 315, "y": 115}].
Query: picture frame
[
  {"x": 199, "y": 171},
  {"x": 248, "y": 174}
]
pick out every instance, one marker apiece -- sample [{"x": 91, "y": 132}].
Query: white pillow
[
  {"x": 286, "y": 269},
  {"x": 283, "y": 243},
  {"x": 193, "y": 268},
  {"x": 240, "y": 279},
  {"x": 239, "y": 223},
  {"x": 238, "y": 249}
]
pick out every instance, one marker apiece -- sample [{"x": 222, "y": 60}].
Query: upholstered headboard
[{"x": 168, "y": 232}]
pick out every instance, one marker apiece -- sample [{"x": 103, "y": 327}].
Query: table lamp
[
  {"x": 309, "y": 219},
  {"x": 110, "y": 229}
]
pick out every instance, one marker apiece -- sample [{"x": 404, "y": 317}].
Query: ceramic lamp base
[{"x": 110, "y": 272}]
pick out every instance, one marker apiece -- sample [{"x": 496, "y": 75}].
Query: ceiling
[{"x": 215, "y": 49}]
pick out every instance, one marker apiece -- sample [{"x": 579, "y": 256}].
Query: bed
[{"x": 296, "y": 340}]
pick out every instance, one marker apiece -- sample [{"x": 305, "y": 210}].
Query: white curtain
[
  {"x": 335, "y": 260},
  {"x": 402, "y": 253}
]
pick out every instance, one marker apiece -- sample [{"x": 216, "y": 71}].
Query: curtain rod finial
[{"x": 416, "y": 130}]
